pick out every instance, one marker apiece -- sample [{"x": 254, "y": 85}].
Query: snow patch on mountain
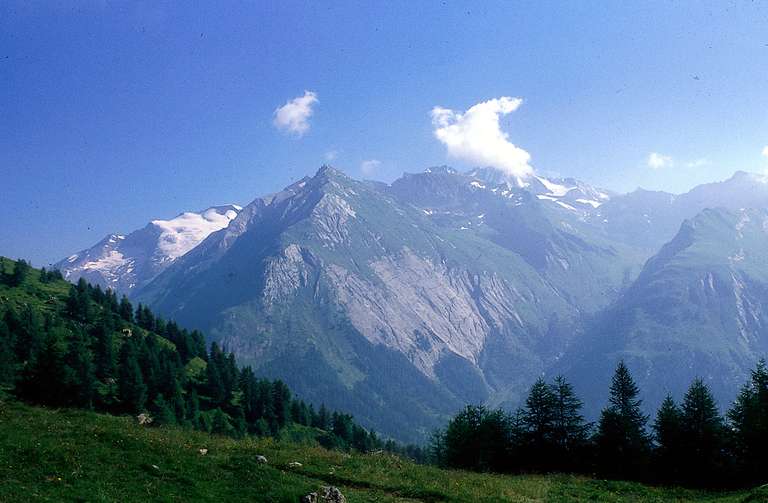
[{"x": 181, "y": 234}]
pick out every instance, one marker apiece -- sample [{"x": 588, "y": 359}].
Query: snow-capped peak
[
  {"x": 187, "y": 230},
  {"x": 128, "y": 262}
]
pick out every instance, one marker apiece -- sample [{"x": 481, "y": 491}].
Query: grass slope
[{"x": 69, "y": 455}]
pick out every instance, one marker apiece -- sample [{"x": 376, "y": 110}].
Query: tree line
[
  {"x": 687, "y": 443},
  {"x": 95, "y": 351}
]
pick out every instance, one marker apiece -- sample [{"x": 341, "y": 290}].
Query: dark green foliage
[
  {"x": 7, "y": 356},
  {"x": 84, "y": 350},
  {"x": 621, "y": 441},
  {"x": 749, "y": 419},
  {"x": 549, "y": 434},
  {"x": 132, "y": 390},
  {"x": 702, "y": 436},
  {"x": 80, "y": 378},
  {"x": 19, "y": 275},
  {"x": 667, "y": 431}
]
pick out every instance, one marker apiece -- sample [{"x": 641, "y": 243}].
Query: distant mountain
[
  {"x": 402, "y": 302},
  {"x": 648, "y": 219},
  {"x": 127, "y": 262},
  {"x": 698, "y": 309}
]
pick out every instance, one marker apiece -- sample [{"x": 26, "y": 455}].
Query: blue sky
[{"x": 116, "y": 113}]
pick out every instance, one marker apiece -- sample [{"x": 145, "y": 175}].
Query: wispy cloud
[
  {"x": 293, "y": 117},
  {"x": 475, "y": 136},
  {"x": 659, "y": 161},
  {"x": 765, "y": 151},
  {"x": 331, "y": 155},
  {"x": 370, "y": 167}
]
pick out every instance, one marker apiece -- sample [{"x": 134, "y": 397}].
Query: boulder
[
  {"x": 294, "y": 464},
  {"x": 328, "y": 494},
  {"x": 144, "y": 419},
  {"x": 261, "y": 459}
]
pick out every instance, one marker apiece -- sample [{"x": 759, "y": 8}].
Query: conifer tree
[
  {"x": 132, "y": 390},
  {"x": 126, "y": 310},
  {"x": 104, "y": 352},
  {"x": 667, "y": 429},
  {"x": 20, "y": 273},
  {"x": 702, "y": 434},
  {"x": 538, "y": 421},
  {"x": 749, "y": 419},
  {"x": 80, "y": 380},
  {"x": 7, "y": 356},
  {"x": 163, "y": 413},
  {"x": 44, "y": 376},
  {"x": 569, "y": 431},
  {"x": 622, "y": 443}
]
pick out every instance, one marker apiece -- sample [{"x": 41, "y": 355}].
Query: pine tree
[
  {"x": 702, "y": 435},
  {"x": 126, "y": 310},
  {"x": 19, "y": 274},
  {"x": 569, "y": 431},
  {"x": 104, "y": 354},
  {"x": 538, "y": 420},
  {"x": 322, "y": 418},
  {"x": 281, "y": 400},
  {"x": 667, "y": 430},
  {"x": 44, "y": 376},
  {"x": 163, "y": 413},
  {"x": 80, "y": 381},
  {"x": 132, "y": 390},
  {"x": 622, "y": 443},
  {"x": 749, "y": 418},
  {"x": 7, "y": 356}
]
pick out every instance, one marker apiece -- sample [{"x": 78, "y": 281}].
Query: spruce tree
[
  {"x": 45, "y": 374},
  {"x": 749, "y": 419},
  {"x": 163, "y": 413},
  {"x": 702, "y": 435},
  {"x": 80, "y": 381},
  {"x": 7, "y": 356},
  {"x": 126, "y": 310},
  {"x": 538, "y": 422},
  {"x": 569, "y": 431},
  {"x": 104, "y": 352},
  {"x": 20, "y": 273},
  {"x": 132, "y": 390},
  {"x": 667, "y": 433},
  {"x": 622, "y": 443}
]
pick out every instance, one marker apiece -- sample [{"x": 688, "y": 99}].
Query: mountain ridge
[{"x": 401, "y": 302}]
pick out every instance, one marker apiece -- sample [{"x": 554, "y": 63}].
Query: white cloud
[
  {"x": 369, "y": 167},
  {"x": 765, "y": 151},
  {"x": 475, "y": 136},
  {"x": 293, "y": 117},
  {"x": 659, "y": 161},
  {"x": 331, "y": 155},
  {"x": 698, "y": 163}
]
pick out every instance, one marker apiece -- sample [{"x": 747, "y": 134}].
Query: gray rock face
[
  {"x": 400, "y": 303},
  {"x": 381, "y": 297},
  {"x": 327, "y": 494}
]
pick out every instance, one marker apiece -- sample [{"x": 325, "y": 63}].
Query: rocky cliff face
[
  {"x": 400, "y": 303},
  {"x": 343, "y": 288}
]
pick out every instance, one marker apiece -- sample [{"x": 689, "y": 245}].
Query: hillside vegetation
[
  {"x": 79, "y": 346},
  {"x": 73, "y": 455}
]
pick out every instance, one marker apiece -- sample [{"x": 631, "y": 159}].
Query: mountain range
[{"x": 402, "y": 302}]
